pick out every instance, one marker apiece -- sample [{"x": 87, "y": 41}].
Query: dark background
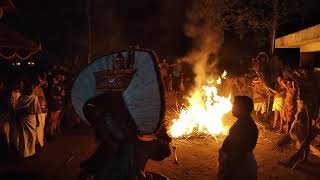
[{"x": 61, "y": 27}]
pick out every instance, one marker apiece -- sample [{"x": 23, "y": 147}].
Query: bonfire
[{"x": 204, "y": 113}]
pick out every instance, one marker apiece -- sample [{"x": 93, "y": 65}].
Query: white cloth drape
[
  {"x": 28, "y": 136},
  {"x": 28, "y": 125},
  {"x": 40, "y": 128}
]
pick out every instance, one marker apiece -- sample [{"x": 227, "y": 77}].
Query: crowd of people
[
  {"x": 31, "y": 110},
  {"x": 173, "y": 77},
  {"x": 287, "y": 98}
]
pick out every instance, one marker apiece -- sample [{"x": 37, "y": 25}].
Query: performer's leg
[
  {"x": 287, "y": 127},
  {"x": 276, "y": 117},
  {"x": 289, "y": 124},
  {"x": 281, "y": 124}
]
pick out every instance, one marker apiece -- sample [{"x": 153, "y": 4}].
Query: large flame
[{"x": 204, "y": 113}]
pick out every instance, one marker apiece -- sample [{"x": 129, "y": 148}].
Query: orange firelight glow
[{"x": 204, "y": 113}]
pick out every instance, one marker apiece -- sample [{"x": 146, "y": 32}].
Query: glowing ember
[{"x": 204, "y": 114}]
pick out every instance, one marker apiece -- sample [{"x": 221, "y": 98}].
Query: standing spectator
[
  {"x": 176, "y": 76},
  {"x": 14, "y": 97},
  {"x": 164, "y": 69},
  {"x": 28, "y": 109},
  {"x": 4, "y": 114},
  {"x": 42, "y": 116},
  {"x": 236, "y": 158},
  {"x": 176, "y": 81},
  {"x": 42, "y": 78},
  {"x": 55, "y": 105},
  {"x": 16, "y": 93},
  {"x": 259, "y": 98}
]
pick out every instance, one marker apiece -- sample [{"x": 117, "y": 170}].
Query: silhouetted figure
[
  {"x": 236, "y": 158},
  {"x": 119, "y": 62},
  {"x": 164, "y": 68}
]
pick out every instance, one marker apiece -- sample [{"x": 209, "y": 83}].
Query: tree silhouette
[{"x": 262, "y": 17}]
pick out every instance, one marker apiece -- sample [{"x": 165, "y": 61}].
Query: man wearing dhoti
[
  {"x": 55, "y": 105},
  {"x": 259, "y": 98},
  {"x": 164, "y": 70},
  {"x": 14, "y": 97},
  {"x": 236, "y": 158},
  {"x": 43, "y": 114},
  {"x": 126, "y": 108},
  {"x": 28, "y": 108}
]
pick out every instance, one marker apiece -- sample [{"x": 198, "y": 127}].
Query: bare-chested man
[
  {"x": 259, "y": 98},
  {"x": 278, "y": 102},
  {"x": 290, "y": 103}
]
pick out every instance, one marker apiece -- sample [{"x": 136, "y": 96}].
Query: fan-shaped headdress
[{"x": 134, "y": 73}]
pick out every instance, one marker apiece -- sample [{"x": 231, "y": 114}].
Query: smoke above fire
[{"x": 206, "y": 34}]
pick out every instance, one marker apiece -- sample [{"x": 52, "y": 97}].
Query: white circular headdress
[{"x": 135, "y": 73}]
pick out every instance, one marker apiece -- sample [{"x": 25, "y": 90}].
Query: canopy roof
[
  {"x": 14, "y": 45},
  {"x": 308, "y": 40}
]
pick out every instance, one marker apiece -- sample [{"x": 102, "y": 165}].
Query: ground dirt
[{"x": 197, "y": 158}]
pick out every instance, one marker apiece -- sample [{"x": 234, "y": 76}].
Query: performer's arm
[{"x": 284, "y": 85}]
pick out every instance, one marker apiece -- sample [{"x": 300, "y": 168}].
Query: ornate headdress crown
[{"x": 119, "y": 77}]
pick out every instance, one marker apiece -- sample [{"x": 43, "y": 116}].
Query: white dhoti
[
  {"x": 246, "y": 169},
  {"x": 260, "y": 107},
  {"x": 28, "y": 125},
  {"x": 40, "y": 128},
  {"x": 28, "y": 135},
  {"x": 277, "y": 104}
]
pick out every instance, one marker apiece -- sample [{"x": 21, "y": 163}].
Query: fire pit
[{"x": 204, "y": 114}]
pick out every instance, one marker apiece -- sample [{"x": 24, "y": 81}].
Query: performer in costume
[
  {"x": 236, "y": 158},
  {"x": 125, "y": 105},
  {"x": 290, "y": 104}
]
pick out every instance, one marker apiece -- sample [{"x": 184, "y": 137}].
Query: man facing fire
[{"x": 236, "y": 158}]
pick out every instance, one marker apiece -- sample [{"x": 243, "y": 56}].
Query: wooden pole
[
  {"x": 274, "y": 26},
  {"x": 89, "y": 31}
]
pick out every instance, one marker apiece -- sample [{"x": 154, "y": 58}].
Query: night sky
[{"x": 61, "y": 25}]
